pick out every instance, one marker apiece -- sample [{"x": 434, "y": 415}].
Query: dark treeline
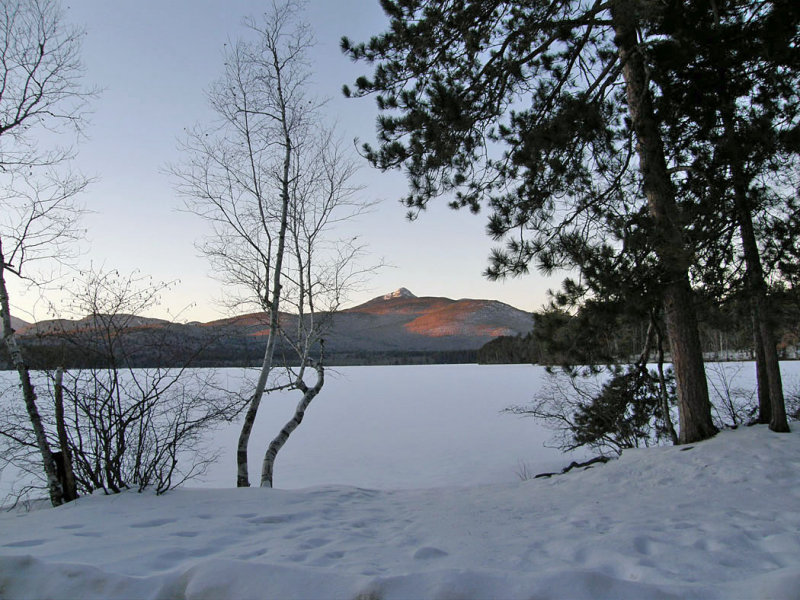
[
  {"x": 591, "y": 338},
  {"x": 404, "y": 357},
  {"x": 171, "y": 347},
  {"x": 588, "y": 337}
]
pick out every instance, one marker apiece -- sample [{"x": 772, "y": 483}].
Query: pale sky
[{"x": 154, "y": 59}]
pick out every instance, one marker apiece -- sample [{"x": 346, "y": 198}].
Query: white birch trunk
[
  {"x": 309, "y": 394},
  {"x": 242, "y": 475},
  {"x": 28, "y": 392}
]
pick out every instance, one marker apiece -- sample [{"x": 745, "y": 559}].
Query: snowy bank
[{"x": 718, "y": 519}]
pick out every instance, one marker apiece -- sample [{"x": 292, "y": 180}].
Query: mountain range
[{"x": 397, "y": 323}]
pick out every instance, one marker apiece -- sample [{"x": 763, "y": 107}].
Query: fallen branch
[{"x": 576, "y": 465}]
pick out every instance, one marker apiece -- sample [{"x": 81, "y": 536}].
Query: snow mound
[{"x": 717, "y": 519}]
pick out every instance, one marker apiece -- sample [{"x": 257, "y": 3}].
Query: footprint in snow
[
  {"x": 314, "y": 543},
  {"x": 328, "y": 559},
  {"x": 151, "y": 523},
  {"x": 253, "y": 554},
  {"x": 186, "y": 534},
  {"x": 642, "y": 545},
  {"x": 428, "y": 552},
  {"x": 271, "y": 520},
  {"x": 24, "y": 544}
]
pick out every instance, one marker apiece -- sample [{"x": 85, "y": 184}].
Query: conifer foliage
[
  {"x": 543, "y": 113},
  {"x": 727, "y": 78}
]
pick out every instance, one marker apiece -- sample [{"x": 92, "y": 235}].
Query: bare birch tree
[
  {"x": 319, "y": 271},
  {"x": 271, "y": 181},
  {"x": 40, "y": 94}
]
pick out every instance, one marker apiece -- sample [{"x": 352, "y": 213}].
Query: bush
[
  {"x": 625, "y": 411},
  {"x": 118, "y": 427}
]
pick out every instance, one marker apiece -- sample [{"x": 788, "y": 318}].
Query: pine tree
[
  {"x": 728, "y": 79},
  {"x": 543, "y": 113}
]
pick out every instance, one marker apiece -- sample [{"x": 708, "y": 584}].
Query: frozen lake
[
  {"x": 407, "y": 427},
  {"x": 401, "y": 427}
]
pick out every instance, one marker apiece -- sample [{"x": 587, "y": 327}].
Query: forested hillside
[{"x": 391, "y": 329}]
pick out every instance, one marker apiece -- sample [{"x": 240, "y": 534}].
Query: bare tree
[
  {"x": 625, "y": 407},
  {"x": 136, "y": 427},
  {"x": 272, "y": 181},
  {"x": 119, "y": 427},
  {"x": 40, "y": 94},
  {"x": 318, "y": 271},
  {"x": 733, "y": 404}
]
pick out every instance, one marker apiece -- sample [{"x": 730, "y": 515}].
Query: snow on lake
[
  {"x": 405, "y": 427},
  {"x": 394, "y": 427},
  {"x": 401, "y": 427},
  {"x": 718, "y": 519}
]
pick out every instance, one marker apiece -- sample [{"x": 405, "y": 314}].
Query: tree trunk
[
  {"x": 772, "y": 408},
  {"x": 242, "y": 476},
  {"x": 662, "y": 384},
  {"x": 687, "y": 357},
  {"x": 68, "y": 479},
  {"x": 272, "y": 451},
  {"x": 28, "y": 393},
  {"x": 775, "y": 412},
  {"x": 764, "y": 405}
]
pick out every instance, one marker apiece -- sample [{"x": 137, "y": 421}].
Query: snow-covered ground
[{"x": 718, "y": 519}]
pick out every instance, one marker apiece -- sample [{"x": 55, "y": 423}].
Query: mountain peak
[{"x": 401, "y": 293}]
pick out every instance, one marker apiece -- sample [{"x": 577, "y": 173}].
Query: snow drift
[{"x": 717, "y": 519}]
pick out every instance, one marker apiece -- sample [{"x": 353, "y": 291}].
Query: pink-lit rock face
[
  {"x": 433, "y": 317},
  {"x": 467, "y": 318}
]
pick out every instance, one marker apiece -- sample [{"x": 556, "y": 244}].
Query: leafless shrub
[
  {"x": 142, "y": 428},
  {"x": 793, "y": 403},
  {"x": 524, "y": 471},
  {"x": 125, "y": 427},
  {"x": 605, "y": 413},
  {"x": 732, "y": 405}
]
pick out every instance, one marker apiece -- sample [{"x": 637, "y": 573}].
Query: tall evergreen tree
[
  {"x": 728, "y": 79},
  {"x": 542, "y": 112}
]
